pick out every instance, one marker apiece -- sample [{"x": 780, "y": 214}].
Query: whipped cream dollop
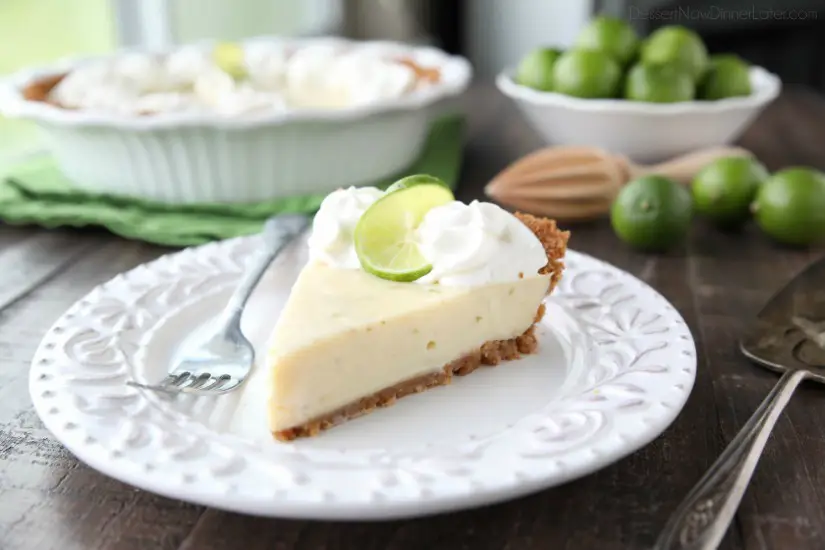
[
  {"x": 477, "y": 243},
  {"x": 328, "y": 76},
  {"x": 331, "y": 241},
  {"x": 323, "y": 75},
  {"x": 224, "y": 95},
  {"x": 467, "y": 244}
]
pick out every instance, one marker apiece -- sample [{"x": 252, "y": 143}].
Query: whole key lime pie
[{"x": 403, "y": 290}]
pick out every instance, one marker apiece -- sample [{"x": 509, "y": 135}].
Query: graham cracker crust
[{"x": 489, "y": 354}]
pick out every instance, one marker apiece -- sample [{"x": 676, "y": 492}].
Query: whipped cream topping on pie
[
  {"x": 278, "y": 78},
  {"x": 467, "y": 244},
  {"x": 477, "y": 244},
  {"x": 331, "y": 240}
]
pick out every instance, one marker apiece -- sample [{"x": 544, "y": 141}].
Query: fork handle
[
  {"x": 702, "y": 519},
  {"x": 278, "y": 232}
]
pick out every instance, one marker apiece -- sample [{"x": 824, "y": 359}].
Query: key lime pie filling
[{"x": 403, "y": 290}]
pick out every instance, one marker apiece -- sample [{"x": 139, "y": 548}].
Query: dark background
[{"x": 787, "y": 37}]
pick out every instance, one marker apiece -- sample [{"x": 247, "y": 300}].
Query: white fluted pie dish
[{"x": 197, "y": 156}]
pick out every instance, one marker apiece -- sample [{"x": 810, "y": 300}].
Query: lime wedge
[
  {"x": 229, "y": 57},
  {"x": 418, "y": 179},
  {"x": 384, "y": 238}
]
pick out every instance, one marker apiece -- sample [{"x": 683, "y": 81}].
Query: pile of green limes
[
  {"x": 609, "y": 60},
  {"x": 654, "y": 213}
]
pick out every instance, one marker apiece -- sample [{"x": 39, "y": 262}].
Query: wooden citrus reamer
[{"x": 573, "y": 183}]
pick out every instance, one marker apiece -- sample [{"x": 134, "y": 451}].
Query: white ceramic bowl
[
  {"x": 206, "y": 158},
  {"x": 647, "y": 132}
]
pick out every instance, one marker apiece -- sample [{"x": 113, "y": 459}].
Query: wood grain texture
[{"x": 718, "y": 281}]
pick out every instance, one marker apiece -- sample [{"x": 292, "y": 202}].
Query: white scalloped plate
[{"x": 615, "y": 367}]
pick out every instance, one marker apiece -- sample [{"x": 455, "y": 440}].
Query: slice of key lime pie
[{"x": 403, "y": 290}]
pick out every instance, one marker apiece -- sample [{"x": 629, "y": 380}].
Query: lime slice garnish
[
  {"x": 418, "y": 179},
  {"x": 384, "y": 236},
  {"x": 229, "y": 57}
]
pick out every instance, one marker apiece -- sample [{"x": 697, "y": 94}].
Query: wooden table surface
[{"x": 48, "y": 500}]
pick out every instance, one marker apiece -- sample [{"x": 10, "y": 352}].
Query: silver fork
[{"x": 221, "y": 362}]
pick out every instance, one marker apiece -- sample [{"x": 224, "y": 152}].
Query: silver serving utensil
[
  {"x": 788, "y": 336},
  {"x": 221, "y": 362}
]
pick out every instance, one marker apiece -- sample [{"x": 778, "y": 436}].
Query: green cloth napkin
[{"x": 35, "y": 192}]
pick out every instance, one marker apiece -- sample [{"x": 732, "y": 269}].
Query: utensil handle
[
  {"x": 278, "y": 232},
  {"x": 684, "y": 168},
  {"x": 702, "y": 519}
]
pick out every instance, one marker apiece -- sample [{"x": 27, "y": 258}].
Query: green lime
[
  {"x": 229, "y": 57},
  {"x": 536, "y": 69},
  {"x": 727, "y": 76},
  {"x": 659, "y": 84},
  {"x": 610, "y": 35},
  {"x": 587, "y": 74},
  {"x": 790, "y": 206},
  {"x": 724, "y": 189},
  {"x": 677, "y": 45},
  {"x": 418, "y": 179},
  {"x": 384, "y": 236},
  {"x": 652, "y": 213}
]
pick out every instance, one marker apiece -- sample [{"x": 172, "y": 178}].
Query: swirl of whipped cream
[
  {"x": 331, "y": 241},
  {"x": 185, "y": 64},
  {"x": 144, "y": 73},
  {"x": 477, "y": 243},
  {"x": 308, "y": 77},
  {"x": 327, "y": 76},
  {"x": 266, "y": 64},
  {"x": 132, "y": 84},
  {"x": 73, "y": 90},
  {"x": 218, "y": 90},
  {"x": 364, "y": 77}
]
